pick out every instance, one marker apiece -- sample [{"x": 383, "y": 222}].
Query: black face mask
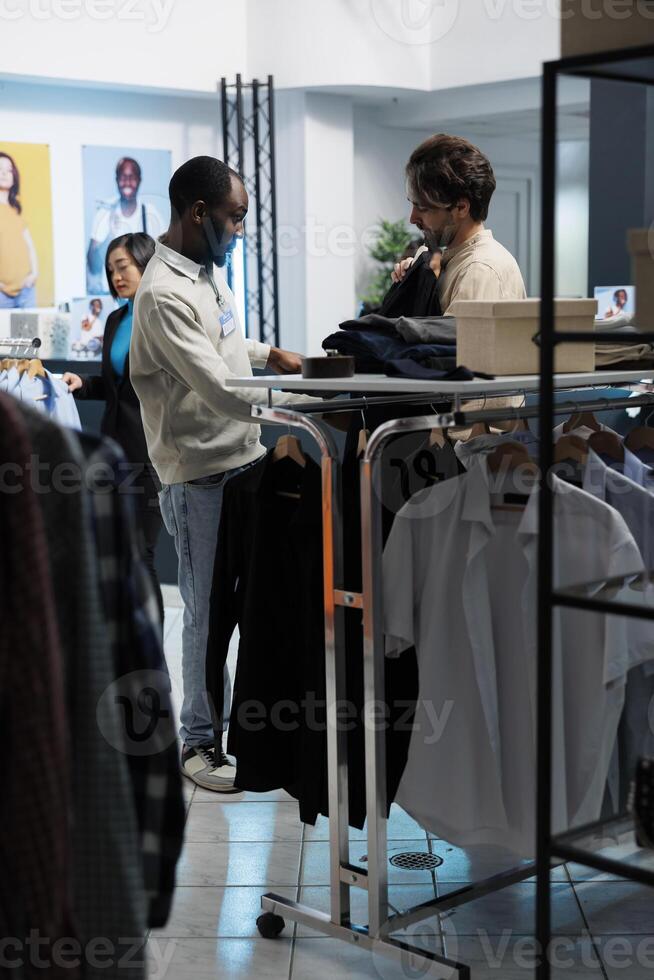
[{"x": 215, "y": 236}]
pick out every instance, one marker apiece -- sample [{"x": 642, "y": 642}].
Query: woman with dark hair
[
  {"x": 127, "y": 257},
  {"x": 19, "y": 266}
]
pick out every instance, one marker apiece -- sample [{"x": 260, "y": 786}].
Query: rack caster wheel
[{"x": 270, "y": 925}]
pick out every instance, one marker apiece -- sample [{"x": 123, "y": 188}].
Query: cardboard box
[
  {"x": 641, "y": 246},
  {"x": 497, "y": 337},
  {"x": 593, "y": 26}
]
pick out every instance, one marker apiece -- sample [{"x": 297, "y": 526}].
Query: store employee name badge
[{"x": 227, "y": 323}]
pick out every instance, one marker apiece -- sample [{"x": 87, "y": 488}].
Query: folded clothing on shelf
[
  {"x": 606, "y": 355},
  {"x": 412, "y": 329},
  {"x": 372, "y": 350}
]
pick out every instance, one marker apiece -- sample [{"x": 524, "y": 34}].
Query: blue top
[{"x": 120, "y": 345}]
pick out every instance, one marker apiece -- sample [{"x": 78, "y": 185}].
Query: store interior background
[{"x": 356, "y": 91}]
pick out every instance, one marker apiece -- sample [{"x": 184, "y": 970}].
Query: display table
[{"x": 380, "y": 384}]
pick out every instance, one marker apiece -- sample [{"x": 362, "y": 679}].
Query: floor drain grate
[{"x": 416, "y": 861}]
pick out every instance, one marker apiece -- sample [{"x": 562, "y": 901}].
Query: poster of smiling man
[{"x": 125, "y": 191}]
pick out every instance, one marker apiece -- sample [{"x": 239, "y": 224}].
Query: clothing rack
[
  {"x": 344, "y": 875},
  {"x": 30, "y": 346}
]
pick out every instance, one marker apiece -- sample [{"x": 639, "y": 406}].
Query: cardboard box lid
[
  {"x": 512, "y": 308},
  {"x": 640, "y": 241}
]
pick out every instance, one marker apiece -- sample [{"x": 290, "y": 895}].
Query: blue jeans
[
  {"x": 191, "y": 514},
  {"x": 25, "y": 299}
]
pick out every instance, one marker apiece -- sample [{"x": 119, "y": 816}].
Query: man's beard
[{"x": 439, "y": 239}]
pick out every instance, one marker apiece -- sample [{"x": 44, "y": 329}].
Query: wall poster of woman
[{"x": 26, "y": 252}]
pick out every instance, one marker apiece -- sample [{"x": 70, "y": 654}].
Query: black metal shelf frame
[
  {"x": 248, "y": 125},
  {"x": 634, "y": 65}
]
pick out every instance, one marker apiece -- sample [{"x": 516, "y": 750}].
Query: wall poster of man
[{"x": 125, "y": 190}]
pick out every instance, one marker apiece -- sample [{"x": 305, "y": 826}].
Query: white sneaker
[{"x": 201, "y": 765}]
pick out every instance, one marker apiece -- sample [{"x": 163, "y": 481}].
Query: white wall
[
  {"x": 187, "y": 45},
  {"x": 168, "y": 44},
  {"x": 67, "y": 118},
  {"x": 572, "y": 218},
  {"x": 380, "y": 155},
  {"x": 290, "y": 111},
  {"x": 491, "y": 40},
  {"x": 331, "y": 43},
  {"x": 329, "y": 210}
]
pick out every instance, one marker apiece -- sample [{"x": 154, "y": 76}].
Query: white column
[
  {"x": 330, "y": 237},
  {"x": 316, "y": 237}
]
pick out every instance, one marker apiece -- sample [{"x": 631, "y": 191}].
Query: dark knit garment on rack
[
  {"x": 105, "y": 863},
  {"x": 35, "y": 881},
  {"x": 131, "y": 611}
]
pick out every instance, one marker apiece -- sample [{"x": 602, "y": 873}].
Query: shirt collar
[
  {"x": 175, "y": 260},
  {"x": 450, "y": 253}
]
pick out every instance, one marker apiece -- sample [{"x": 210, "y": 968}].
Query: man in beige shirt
[
  {"x": 449, "y": 186},
  {"x": 186, "y": 342}
]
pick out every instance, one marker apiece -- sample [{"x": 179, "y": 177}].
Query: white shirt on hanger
[{"x": 460, "y": 584}]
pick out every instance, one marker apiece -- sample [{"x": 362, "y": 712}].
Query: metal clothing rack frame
[
  {"x": 21, "y": 346},
  {"x": 377, "y": 934},
  {"x": 635, "y": 66}
]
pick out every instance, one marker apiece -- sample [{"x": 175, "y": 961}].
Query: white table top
[{"x": 379, "y": 383}]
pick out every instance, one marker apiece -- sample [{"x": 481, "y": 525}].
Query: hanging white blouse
[{"x": 460, "y": 583}]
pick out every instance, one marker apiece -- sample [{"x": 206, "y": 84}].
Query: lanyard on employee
[{"x": 220, "y": 300}]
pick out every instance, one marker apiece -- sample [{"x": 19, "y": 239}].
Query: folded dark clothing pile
[
  {"x": 373, "y": 350},
  {"x": 414, "y": 330}
]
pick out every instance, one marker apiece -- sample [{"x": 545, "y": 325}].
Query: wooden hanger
[
  {"x": 22, "y": 365},
  {"x": 512, "y": 456},
  {"x": 520, "y": 425},
  {"x": 35, "y": 369},
  {"x": 8, "y": 363},
  {"x": 571, "y": 448},
  {"x": 479, "y": 429},
  {"x": 288, "y": 447},
  {"x": 362, "y": 444},
  {"x": 640, "y": 438},
  {"x": 579, "y": 419},
  {"x": 607, "y": 444},
  {"x": 437, "y": 437}
]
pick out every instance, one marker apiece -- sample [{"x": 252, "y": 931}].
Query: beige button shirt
[{"x": 479, "y": 269}]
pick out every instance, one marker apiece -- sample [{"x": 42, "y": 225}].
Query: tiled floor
[{"x": 239, "y": 847}]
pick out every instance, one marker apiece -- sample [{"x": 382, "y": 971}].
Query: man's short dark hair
[
  {"x": 135, "y": 164},
  {"x": 444, "y": 169},
  {"x": 200, "y": 179}
]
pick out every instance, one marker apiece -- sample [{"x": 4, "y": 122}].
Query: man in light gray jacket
[{"x": 186, "y": 341}]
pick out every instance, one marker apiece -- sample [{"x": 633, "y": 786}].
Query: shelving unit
[{"x": 635, "y": 65}]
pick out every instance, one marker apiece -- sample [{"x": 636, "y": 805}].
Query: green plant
[{"x": 392, "y": 239}]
